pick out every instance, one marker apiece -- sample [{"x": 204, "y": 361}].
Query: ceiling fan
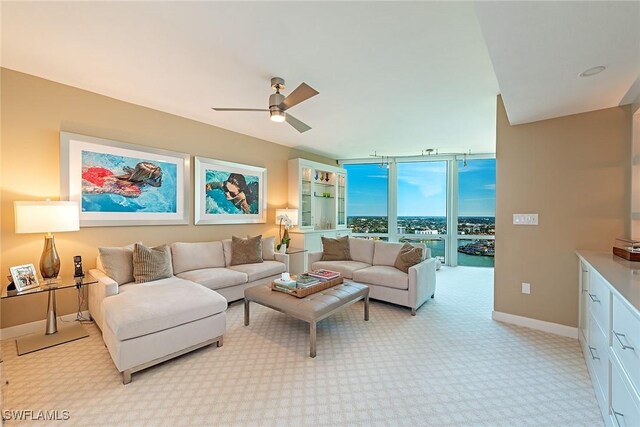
[{"x": 278, "y": 104}]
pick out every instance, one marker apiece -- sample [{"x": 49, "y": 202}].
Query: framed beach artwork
[
  {"x": 229, "y": 193},
  {"x": 118, "y": 184}
]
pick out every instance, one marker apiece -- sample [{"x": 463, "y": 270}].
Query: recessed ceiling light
[{"x": 593, "y": 71}]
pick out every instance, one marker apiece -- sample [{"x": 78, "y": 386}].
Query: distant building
[
  {"x": 402, "y": 230},
  {"x": 423, "y": 232}
]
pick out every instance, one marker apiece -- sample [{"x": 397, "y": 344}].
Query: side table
[
  {"x": 296, "y": 263},
  {"x": 52, "y": 336}
]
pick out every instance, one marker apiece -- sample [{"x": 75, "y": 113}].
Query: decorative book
[{"x": 324, "y": 274}]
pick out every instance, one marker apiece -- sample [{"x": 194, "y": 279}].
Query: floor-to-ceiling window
[
  {"x": 476, "y": 212},
  {"x": 422, "y": 204},
  {"x": 446, "y": 202},
  {"x": 367, "y": 200}
]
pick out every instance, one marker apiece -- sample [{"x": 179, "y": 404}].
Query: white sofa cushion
[
  {"x": 155, "y": 306},
  {"x": 194, "y": 256},
  {"x": 361, "y": 250},
  {"x": 215, "y": 278},
  {"x": 385, "y": 253},
  {"x": 382, "y": 275},
  {"x": 260, "y": 270},
  {"x": 345, "y": 268},
  {"x": 117, "y": 263}
]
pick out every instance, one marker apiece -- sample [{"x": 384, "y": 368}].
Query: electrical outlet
[
  {"x": 525, "y": 219},
  {"x": 526, "y": 288}
]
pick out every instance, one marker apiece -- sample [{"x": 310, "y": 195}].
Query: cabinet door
[
  {"x": 341, "y": 199},
  {"x": 584, "y": 301},
  {"x": 306, "y": 199}
]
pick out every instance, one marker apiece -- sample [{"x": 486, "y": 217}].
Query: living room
[{"x": 398, "y": 83}]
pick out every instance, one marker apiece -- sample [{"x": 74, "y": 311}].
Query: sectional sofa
[
  {"x": 148, "y": 323},
  {"x": 372, "y": 263}
]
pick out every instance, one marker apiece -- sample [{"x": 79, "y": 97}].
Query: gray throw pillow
[
  {"x": 246, "y": 251},
  {"x": 335, "y": 249},
  {"x": 117, "y": 263},
  {"x": 151, "y": 263},
  {"x": 408, "y": 257}
]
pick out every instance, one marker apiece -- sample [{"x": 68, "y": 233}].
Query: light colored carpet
[{"x": 449, "y": 365}]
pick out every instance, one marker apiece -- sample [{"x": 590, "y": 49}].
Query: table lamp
[{"x": 47, "y": 217}]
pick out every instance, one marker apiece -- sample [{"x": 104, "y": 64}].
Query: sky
[{"x": 422, "y": 189}]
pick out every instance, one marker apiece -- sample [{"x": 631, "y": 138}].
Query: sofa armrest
[
  {"x": 283, "y": 258},
  {"x": 313, "y": 257},
  {"x": 422, "y": 282},
  {"x": 105, "y": 288}
]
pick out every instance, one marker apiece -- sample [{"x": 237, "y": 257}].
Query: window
[
  {"x": 367, "y": 198},
  {"x": 422, "y": 204},
  {"x": 476, "y": 212}
]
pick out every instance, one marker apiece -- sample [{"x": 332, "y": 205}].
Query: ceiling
[{"x": 393, "y": 77}]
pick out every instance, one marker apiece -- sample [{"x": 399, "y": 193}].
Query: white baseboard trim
[
  {"x": 38, "y": 326},
  {"x": 541, "y": 325}
]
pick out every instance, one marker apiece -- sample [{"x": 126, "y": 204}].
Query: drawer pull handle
[
  {"x": 594, "y": 298},
  {"x": 591, "y": 351},
  {"x": 615, "y": 415},
  {"x": 624, "y": 346}
]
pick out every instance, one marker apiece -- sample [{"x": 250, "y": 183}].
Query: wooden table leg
[{"x": 312, "y": 339}]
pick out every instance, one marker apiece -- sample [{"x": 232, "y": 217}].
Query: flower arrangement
[{"x": 284, "y": 238}]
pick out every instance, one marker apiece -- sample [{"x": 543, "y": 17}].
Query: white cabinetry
[
  {"x": 610, "y": 334},
  {"x": 319, "y": 192}
]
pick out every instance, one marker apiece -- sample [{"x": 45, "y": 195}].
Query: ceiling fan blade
[
  {"x": 239, "y": 109},
  {"x": 299, "y": 94},
  {"x": 300, "y": 127}
]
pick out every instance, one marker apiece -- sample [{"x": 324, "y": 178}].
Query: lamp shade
[
  {"x": 46, "y": 216},
  {"x": 291, "y": 213}
]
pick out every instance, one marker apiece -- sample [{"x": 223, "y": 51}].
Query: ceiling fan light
[{"x": 277, "y": 116}]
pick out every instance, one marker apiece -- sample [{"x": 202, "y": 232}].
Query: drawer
[
  {"x": 625, "y": 407},
  {"x": 599, "y": 295},
  {"x": 598, "y": 359},
  {"x": 625, "y": 341}
]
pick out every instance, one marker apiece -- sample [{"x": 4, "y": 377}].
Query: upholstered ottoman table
[{"x": 312, "y": 308}]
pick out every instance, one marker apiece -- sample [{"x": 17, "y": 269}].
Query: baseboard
[
  {"x": 554, "y": 328},
  {"x": 38, "y": 326}
]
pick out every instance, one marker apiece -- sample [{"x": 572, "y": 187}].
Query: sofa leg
[
  {"x": 220, "y": 342},
  {"x": 126, "y": 377},
  {"x": 433, "y": 295},
  {"x": 413, "y": 311}
]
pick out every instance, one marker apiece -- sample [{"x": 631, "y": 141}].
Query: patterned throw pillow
[
  {"x": 408, "y": 257},
  {"x": 246, "y": 251},
  {"x": 151, "y": 263},
  {"x": 335, "y": 249}
]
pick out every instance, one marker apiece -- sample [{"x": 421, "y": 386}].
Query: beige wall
[
  {"x": 574, "y": 172},
  {"x": 33, "y": 113}
]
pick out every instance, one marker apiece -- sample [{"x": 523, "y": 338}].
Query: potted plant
[{"x": 284, "y": 238}]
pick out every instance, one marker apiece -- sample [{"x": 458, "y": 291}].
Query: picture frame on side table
[
  {"x": 119, "y": 184},
  {"x": 24, "y": 277},
  {"x": 229, "y": 193}
]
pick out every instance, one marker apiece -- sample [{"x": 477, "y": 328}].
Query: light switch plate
[
  {"x": 525, "y": 219},
  {"x": 526, "y": 288}
]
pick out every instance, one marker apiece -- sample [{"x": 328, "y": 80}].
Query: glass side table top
[
  {"x": 46, "y": 286},
  {"x": 295, "y": 251}
]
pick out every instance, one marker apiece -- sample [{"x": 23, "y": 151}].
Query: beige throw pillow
[
  {"x": 335, "y": 249},
  {"x": 268, "y": 248},
  {"x": 408, "y": 257},
  {"x": 117, "y": 263},
  {"x": 246, "y": 251},
  {"x": 151, "y": 263}
]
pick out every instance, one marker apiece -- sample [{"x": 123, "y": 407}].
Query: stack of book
[
  {"x": 324, "y": 275},
  {"x": 304, "y": 281}
]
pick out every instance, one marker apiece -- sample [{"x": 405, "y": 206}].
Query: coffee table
[{"x": 312, "y": 308}]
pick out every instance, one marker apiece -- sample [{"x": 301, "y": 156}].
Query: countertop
[{"x": 623, "y": 275}]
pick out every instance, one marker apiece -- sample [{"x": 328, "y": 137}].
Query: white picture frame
[
  {"x": 24, "y": 277},
  {"x": 229, "y": 193},
  {"x": 114, "y": 200}
]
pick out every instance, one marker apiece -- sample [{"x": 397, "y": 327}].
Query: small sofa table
[{"x": 312, "y": 308}]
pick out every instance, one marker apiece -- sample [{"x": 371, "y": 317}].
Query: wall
[
  {"x": 33, "y": 113},
  {"x": 574, "y": 172}
]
